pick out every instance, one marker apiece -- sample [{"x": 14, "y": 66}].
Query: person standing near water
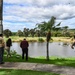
[
  {"x": 8, "y": 45},
  {"x": 2, "y": 45},
  {"x": 24, "y": 45}
]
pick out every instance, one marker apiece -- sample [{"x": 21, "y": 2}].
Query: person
[
  {"x": 8, "y": 45},
  {"x": 73, "y": 44},
  {"x": 24, "y": 45},
  {"x": 2, "y": 45}
]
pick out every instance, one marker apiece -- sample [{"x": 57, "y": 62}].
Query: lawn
[
  {"x": 18, "y": 58},
  {"x": 53, "y": 60},
  {"x": 23, "y": 72}
]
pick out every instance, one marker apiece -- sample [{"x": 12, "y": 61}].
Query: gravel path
[{"x": 39, "y": 67}]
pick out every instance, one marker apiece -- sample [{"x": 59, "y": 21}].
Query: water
[{"x": 39, "y": 49}]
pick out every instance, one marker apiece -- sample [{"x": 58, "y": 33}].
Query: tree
[
  {"x": 20, "y": 33},
  {"x": 65, "y": 31},
  {"x": 14, "y": 33},
  {"x": 26, "y": 32},
  {"x": 48, "y": 26},
  {"x": 32, "y": 32},
  {"x": 7, "y": 32}
]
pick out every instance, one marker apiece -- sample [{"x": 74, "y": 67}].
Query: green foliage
[
  {"x": 7, "y": 32},
  {"x": 33, "y": 40},
  {"x": 50, "y": 23},
  {"x": 14, "y": 33},
  {"x": 26, "y": 32},
  {"x": 20, "y": 33},
  {"x": 32, "y": 32},
  {"x": 38, "y": 33},
  {"x": 40, "y": 40},
  {"x": 13, "y": 53}
]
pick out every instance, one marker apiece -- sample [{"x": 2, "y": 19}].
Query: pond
[{"x": 39, "y": 49}]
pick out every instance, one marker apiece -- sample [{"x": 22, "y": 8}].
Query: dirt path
[{"x": 39, "y": 67}]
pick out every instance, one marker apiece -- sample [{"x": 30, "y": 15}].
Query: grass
[
  {"x": 18, "y": 58},
  {"x": 35, "y": 39},
  {"x": 23, "y": 72},
  {"x": 30, "y": 39},
  {"x": 53, "y": 60}
]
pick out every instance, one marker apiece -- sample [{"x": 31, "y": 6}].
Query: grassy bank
[
  {"x": 35, "y": 39},
  {"x": 23, "y": 72},
  {"x": 53, "y": 60}
]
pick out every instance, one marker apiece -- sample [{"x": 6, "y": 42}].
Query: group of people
[{"x": 24, "y": 45}]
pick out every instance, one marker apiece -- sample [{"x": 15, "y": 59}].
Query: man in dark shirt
[{"x": 24, "y": 45}]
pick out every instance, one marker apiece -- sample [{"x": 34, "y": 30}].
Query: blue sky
[{"x": 20, "y": 14}]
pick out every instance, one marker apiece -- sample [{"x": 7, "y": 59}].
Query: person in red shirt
[{"x": 24, "y": 45}]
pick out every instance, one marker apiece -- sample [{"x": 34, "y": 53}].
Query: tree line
[{"x": 35, "y": 32}]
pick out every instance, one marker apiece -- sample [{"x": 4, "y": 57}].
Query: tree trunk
[
  {"x": 48, "y": 38},
  {"x": 48, "y": 51}
]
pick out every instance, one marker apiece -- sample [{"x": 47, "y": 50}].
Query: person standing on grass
[
  {"x": 8, "y": 45},
  {"x": 2, "y": 45},
  {"x": 24, "y": 45}
]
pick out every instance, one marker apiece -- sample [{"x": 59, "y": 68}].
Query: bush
[{"x": 40, "y": 40}]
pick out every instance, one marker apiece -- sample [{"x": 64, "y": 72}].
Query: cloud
[
  {"x": 13, "y": 26},
  {"x": 30, "y": 12},
  {"x": 41, "y": 2}
]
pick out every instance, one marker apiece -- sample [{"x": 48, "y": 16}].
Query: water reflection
[{"x": 39, "y": 49}]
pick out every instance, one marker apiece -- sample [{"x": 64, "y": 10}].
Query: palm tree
[{"x": 48, "y": 26}]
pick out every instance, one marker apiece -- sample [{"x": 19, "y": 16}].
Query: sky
[{"x": 20, "y": 14}]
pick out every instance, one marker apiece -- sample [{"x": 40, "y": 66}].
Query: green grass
[
  {"x": 23, "y": 72},
  {"x": 30, "y": 39},
  {"x": 35, "y": 39},
  {"x": 53, "y": 60}
]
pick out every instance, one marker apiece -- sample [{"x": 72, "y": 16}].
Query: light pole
[{"x": 1, "y": 16}]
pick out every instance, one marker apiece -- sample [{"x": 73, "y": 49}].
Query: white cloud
[
  {"x": 13, "y": 26},
  {"x": 41, "y": 2},
  {"x": 36, "y": 11}
]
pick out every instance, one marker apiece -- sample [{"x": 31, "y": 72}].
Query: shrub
[{"x": 40, "y": 40}]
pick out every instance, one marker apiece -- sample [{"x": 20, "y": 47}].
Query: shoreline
[{"x": 35, "y": 39}]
